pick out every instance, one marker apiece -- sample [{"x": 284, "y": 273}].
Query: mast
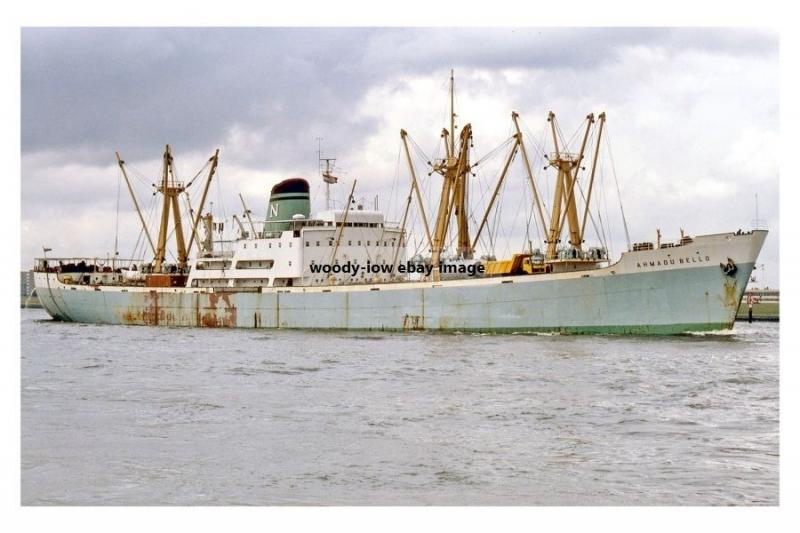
[
  {"x": 571, "y": 213},
  {"x": 415, "y": 186},
  {"x": 214, "y": 160},
  {"x": 162, "y": 229},
  {"x": 171, "y": 188},
  {"x": 602, "y": 118},
  {"x": 249, "y": 218},
  {"x": 344, "y": 221},
  {"x": 452, "y": 137},
  {"x": 531, "y": 178},
  {"x": 179, "y": 239},
  {"x": 329, "y": 179},
  {"x": 442, "y": 221},
  {"x": 567, "y": 165},
  {"x": 460, "y": 195},
  {"x": 461, "y": 190},
  {"x": 453, "y": 199},
  {"x": 135, "y": 202},
  {"x": 555, "y": 215},
  {"x": 455, "y": 169}
]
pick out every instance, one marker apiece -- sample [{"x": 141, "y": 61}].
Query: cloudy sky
[{"x": 692, "y": 121}]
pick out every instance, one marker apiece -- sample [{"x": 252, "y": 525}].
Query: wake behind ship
[{"x": 349, "y": 267}]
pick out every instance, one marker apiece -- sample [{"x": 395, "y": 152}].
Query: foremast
[{"x": 171, "y": 189}]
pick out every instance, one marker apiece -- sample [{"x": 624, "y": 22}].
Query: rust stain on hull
[
  {"x": 167, "y": 309},
  {"x": 412, "y": 323},
  {"x": 213, "y": 316},
  {"x": 730, "y": 296},
  {"x": 148, "y": 315}
]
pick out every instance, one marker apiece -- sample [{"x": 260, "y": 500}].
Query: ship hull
[{"x": 666, "y": 291}]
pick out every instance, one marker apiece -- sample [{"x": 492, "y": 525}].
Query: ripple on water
[{"x": 140, "y": 415}]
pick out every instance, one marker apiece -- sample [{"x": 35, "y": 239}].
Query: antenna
[
  {"x": 452, "y": 114},
  {"x": 327, "y": 177},
  {"x": 758, "y": 223}
]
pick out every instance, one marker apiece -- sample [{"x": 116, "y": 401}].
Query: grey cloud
[
  {"x": 87, "y": 92},
  {"x": 136, "y": 89}
]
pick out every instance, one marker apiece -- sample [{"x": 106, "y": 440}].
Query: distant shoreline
[{"x": 763, "y": 311}]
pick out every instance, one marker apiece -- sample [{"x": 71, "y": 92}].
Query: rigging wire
[
  {"x": 578, "y": 131},
  {"x": 189, "y": 184},
  {"x": 539, "y": 155},
  {"x": 560, "y": 135},
  {"x": 139, "y": 175},
  {"x": 619, "y": 195},
  {"x": 141, "y": 238},
  {"x": 389, "y": 204},
  {"x": 116, "y": 220},
  {"x": 604, "y": 240},
  {"x": 529, "y": 217},
  {"x": 519, "y": 210},
  {"x": 420, "y": 152},
  {"x": 483, "y": 189},
  {"x": 493, "y": 152},
  {"x": 610, "y": 242},
  {"x": 591, "y": 218}
]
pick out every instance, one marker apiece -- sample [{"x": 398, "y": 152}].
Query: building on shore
[
  {"x": 760, "y": 304},
  {"x": 26, "y": 283}
]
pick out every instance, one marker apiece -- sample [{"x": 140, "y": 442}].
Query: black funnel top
[{"x": 292, "y": 185}]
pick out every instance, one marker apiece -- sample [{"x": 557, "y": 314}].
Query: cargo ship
[{"x": 349, "y": 267}]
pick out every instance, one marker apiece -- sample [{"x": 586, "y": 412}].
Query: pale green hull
[
  {"x": 663, "y": 302},
  {"x": 663, "y": 291}
]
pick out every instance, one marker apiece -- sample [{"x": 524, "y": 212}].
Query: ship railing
[
  {"x": 570, "y": 253},
  {"x": 216, "y": 255},
  {"x": 86, "y": 264},
  {"x": 265, "y": 229}
]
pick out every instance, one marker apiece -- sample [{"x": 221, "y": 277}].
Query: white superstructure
[{"x": 285, "y": 258}]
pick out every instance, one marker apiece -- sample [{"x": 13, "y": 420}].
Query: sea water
[{"x": 134, "y": 415}]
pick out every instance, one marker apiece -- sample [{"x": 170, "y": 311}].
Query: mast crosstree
[
  {"x": 456, "y": 168},
  {"x": 171, "y": 188}
]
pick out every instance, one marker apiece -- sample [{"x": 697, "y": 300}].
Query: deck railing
[{"x": 87, "y": 264}]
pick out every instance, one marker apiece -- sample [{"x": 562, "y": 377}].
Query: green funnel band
[{"x": 287, "y": 199}]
